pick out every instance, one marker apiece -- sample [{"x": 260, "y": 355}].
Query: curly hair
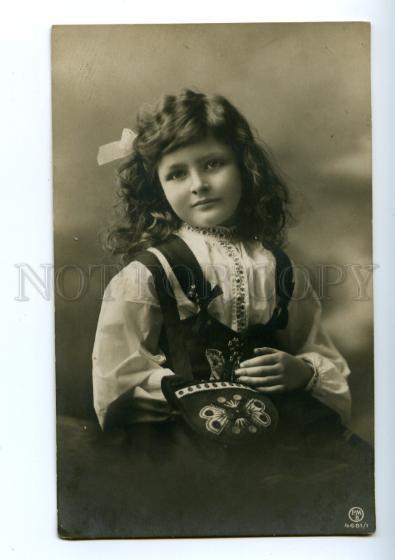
[{"x": 175, "y": 121}]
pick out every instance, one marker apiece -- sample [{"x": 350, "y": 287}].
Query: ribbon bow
[{"x": 118, "y": 149}]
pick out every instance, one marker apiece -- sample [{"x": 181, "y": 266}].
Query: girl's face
[{"x": 202, "y": 183}]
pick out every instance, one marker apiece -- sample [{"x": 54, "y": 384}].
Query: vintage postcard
[{"x": 213, "y": 274}]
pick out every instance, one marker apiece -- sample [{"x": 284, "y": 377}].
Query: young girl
[
  {"x": 197, "y": 171},
  {"x": 205, "y": 213}
]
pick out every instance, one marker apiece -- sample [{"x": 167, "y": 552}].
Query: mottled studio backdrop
[{"x": 304, "y": 87}]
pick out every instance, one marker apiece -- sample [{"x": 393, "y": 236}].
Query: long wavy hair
[{"x": 146, "y": 218}]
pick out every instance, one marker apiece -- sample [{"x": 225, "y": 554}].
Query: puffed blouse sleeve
[
  {"x": 126, "y": 355},
  {"x": 306, "y": 338}
]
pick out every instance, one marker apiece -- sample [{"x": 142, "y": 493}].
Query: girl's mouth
[{"x": 205, "y": 202}]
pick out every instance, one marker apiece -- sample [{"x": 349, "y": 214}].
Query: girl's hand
[{"x": 273, "y": 371}]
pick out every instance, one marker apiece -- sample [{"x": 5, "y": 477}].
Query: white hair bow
[{"x": 118, "y": 149}]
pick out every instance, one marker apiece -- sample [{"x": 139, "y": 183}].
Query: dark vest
[{"x": 200, "y": 346}]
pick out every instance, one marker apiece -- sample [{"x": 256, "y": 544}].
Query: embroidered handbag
[{"x": 228, "y": 412}]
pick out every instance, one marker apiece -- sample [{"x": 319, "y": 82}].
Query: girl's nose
[{"x": 198, "y": 182}]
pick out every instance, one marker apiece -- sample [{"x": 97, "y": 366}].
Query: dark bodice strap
[
  {"x": 188, "y": 271},
  {"x": 177, "y": 357},
  {"x": 284, "y": 287}
]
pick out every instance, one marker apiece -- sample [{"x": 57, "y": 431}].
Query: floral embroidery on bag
[
  {"x": 216, "y": 361},
  {"x": 237, "y": 413}
]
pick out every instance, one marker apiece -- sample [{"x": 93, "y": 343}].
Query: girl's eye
[
  {"x": 214, "y": 164},
  {"x": 176, "y": 175}
]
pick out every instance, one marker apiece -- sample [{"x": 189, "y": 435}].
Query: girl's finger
[
  {"x": 258, "y": 371},
  {"x": 265, "y": 350},
  {"x": 270, "y": 381},
  {"x": 273, "y": 389},
  {"x": 265, "y": 359}
]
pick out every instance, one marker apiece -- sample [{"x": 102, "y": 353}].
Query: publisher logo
[{"x": 356, "y": 514}]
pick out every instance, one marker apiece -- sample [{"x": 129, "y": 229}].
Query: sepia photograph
[{"x": 213, "y": 267}]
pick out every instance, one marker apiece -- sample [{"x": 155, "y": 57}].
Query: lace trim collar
[{"x": 219, "y": 232}]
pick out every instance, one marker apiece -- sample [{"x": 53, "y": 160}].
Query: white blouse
[{"x": 126, "y": 354}]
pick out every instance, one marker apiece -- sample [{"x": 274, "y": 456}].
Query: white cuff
[{"x": 312, "y": 384}]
